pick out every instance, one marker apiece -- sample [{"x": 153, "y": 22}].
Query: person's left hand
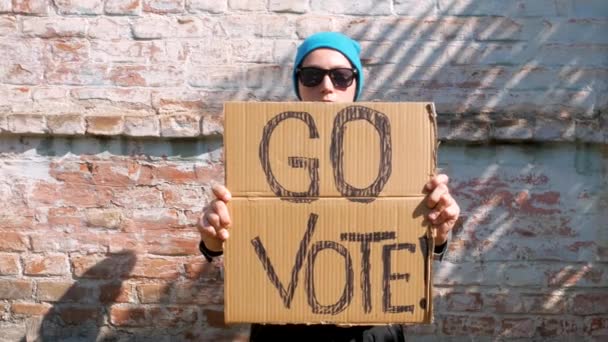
[{"x": 445, "y": 210}]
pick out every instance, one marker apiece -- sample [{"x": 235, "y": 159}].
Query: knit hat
[{"x": 331, "y": 40}]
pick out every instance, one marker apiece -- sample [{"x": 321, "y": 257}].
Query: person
[{"x": 327, "y": 68}]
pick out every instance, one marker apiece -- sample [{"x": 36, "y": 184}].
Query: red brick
[
  {"x": 14, "y": 242},
  {"x": 153, "y": 293},
  {"x": 201, "y": 269},
  {"x": 129, "y": 316},
  {"x": 215, "y": 318},
  {"x": 116, "y": 293},
  {"x": 61, "y": 291},
  {"x": 517, "y": 327},
  {"x": 75, "y": 315},
  {"x": 157, "y": 268},
  {"x": 464, "y": 301},
  {"x": 98, "y": 267},
  {"x": 71, "y": 172},
  {"x": 590, "y": 303},
  {"x": 9, "y": 264},
  {"x": 30, "y": 309},
  {"x": 71, "y": 194},
  {"x": 171, "y": 242},
  {"x": 76, "y": 73},
  {"x": 15, "y": 289},
  {"x": 46, "y": 265},
  {"x": 64, "y": 217}
]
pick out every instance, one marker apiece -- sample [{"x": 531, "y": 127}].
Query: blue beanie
[{"x": 331, "y": 40}]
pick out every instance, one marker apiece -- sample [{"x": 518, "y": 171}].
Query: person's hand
[
  {"x": 215, "y": 221},
  {"x": 445, "y": 210}
]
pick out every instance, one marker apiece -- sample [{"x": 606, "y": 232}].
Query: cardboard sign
[{"x": 328, "y": 212}]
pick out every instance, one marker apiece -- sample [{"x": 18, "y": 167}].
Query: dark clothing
[{"x": 326, "y": 333}]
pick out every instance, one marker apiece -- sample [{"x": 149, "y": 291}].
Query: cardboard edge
[{"x": 431, "y": 233}]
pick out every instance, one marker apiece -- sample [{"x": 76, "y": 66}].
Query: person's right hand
[{"x": 213, "y": 224}]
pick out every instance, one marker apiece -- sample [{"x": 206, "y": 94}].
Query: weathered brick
[
  {"x": 46, "y": 265},
  {"x": 151, "y": 76},
  {"x": 262, "y": 25},
  {"x": 184, "y": 197},
  {"x": 66, "y": 124},
  {"x": 122, "y": 7},
  {"x": 9, "y": 264},
  {"x": 366, "y": 7},
  {"x": 123, "y": 51},
  {"x": 223, "y": 77},
  {"x": 78, "y": 314},
  {"x": 592, "y": 303},
  {"x": 72, "y": 50},
  {"x": 54, "y": 27},
  {"x": 417, "y": 8},
  {"x": 544, "y": 303},
  {"x": 15, "y": 289},
  {"x": 209, "y": 52},
  {"x": 128, "y": 316},
  {"x": 27, "y": 123},
  {"x": 516, "y": 129},
  {"x": 308, "y": 25},
  {"x": 469, "y": 130},
  {"x": 6, "y": 6},
  {"x": 116, "y": 292},
  {"x": 96, "y": 267},
  {"x": 157, "y": 268},
  {"x": 596, "y": 326},
  {"x": 153, "y": 219},
  {"x": 292, "y": 6},
  {"x": 171, "y": 243},
  {"x": 173, "y": 316},
  {"x": 517, "y": 327},
  {"x": 180, "y": 125},
  {"x": 588, "y": 9},
  {"x": 80, "y": 7},
  {"x": 109, "y": 28},
  {"x": 521, "y": 8},
  {"x": 138, "y": 198},
  {"x": 468, "y": 325},
  {"x": 164, "y": 6},
  {"x": 64, "y": 292},
  {"x": 105, "y": 125},
  {"x": 77, "y": 73},
  {"x": 209, "y": 6},
  {"x": 14, "y": 242},
  {"x": 154, "y": 293},
  {"x": 464, "y": 301},
  {"x": 167, "y": 102},
  {"x": 153, "y": 28},
  {"x": 30, "y": 309},
  {"x": 247, "y": 5},
  {"x": 559, "y": 326},
  {"x": 197, "y": 293},
  {"x": 65, "y": 243},
  {"x": 12, "y": 95},
  {"x": 36, "y": 7},
  {"x": 142, "y": 126}
]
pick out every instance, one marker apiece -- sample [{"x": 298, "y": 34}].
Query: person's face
[{"x": 326, "y": 91}]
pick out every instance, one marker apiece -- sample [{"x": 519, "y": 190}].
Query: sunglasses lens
[
  {"x": 311, "y": 77},
  {"x": 342, "y": 78}
]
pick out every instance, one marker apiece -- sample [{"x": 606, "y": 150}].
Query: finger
[
  {"x": 436, "y": 195},
  {"x": 221, "y": 210},
  {"x": 450, "y": 213},
  {"x": 221, "y": 193},
  {"x": 436, "y": 180},
  {"x": 216, "y": 231}
]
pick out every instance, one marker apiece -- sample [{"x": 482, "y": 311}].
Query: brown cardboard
[{"x": 328, "y": 213}]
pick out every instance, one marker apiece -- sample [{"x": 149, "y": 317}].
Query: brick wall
[{"x": 110, "y": 136}]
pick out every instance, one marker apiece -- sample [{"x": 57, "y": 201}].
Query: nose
[{"x": 327, "y": 85}]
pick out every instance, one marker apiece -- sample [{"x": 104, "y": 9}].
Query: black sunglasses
[{"x": 340, "y": 77}]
